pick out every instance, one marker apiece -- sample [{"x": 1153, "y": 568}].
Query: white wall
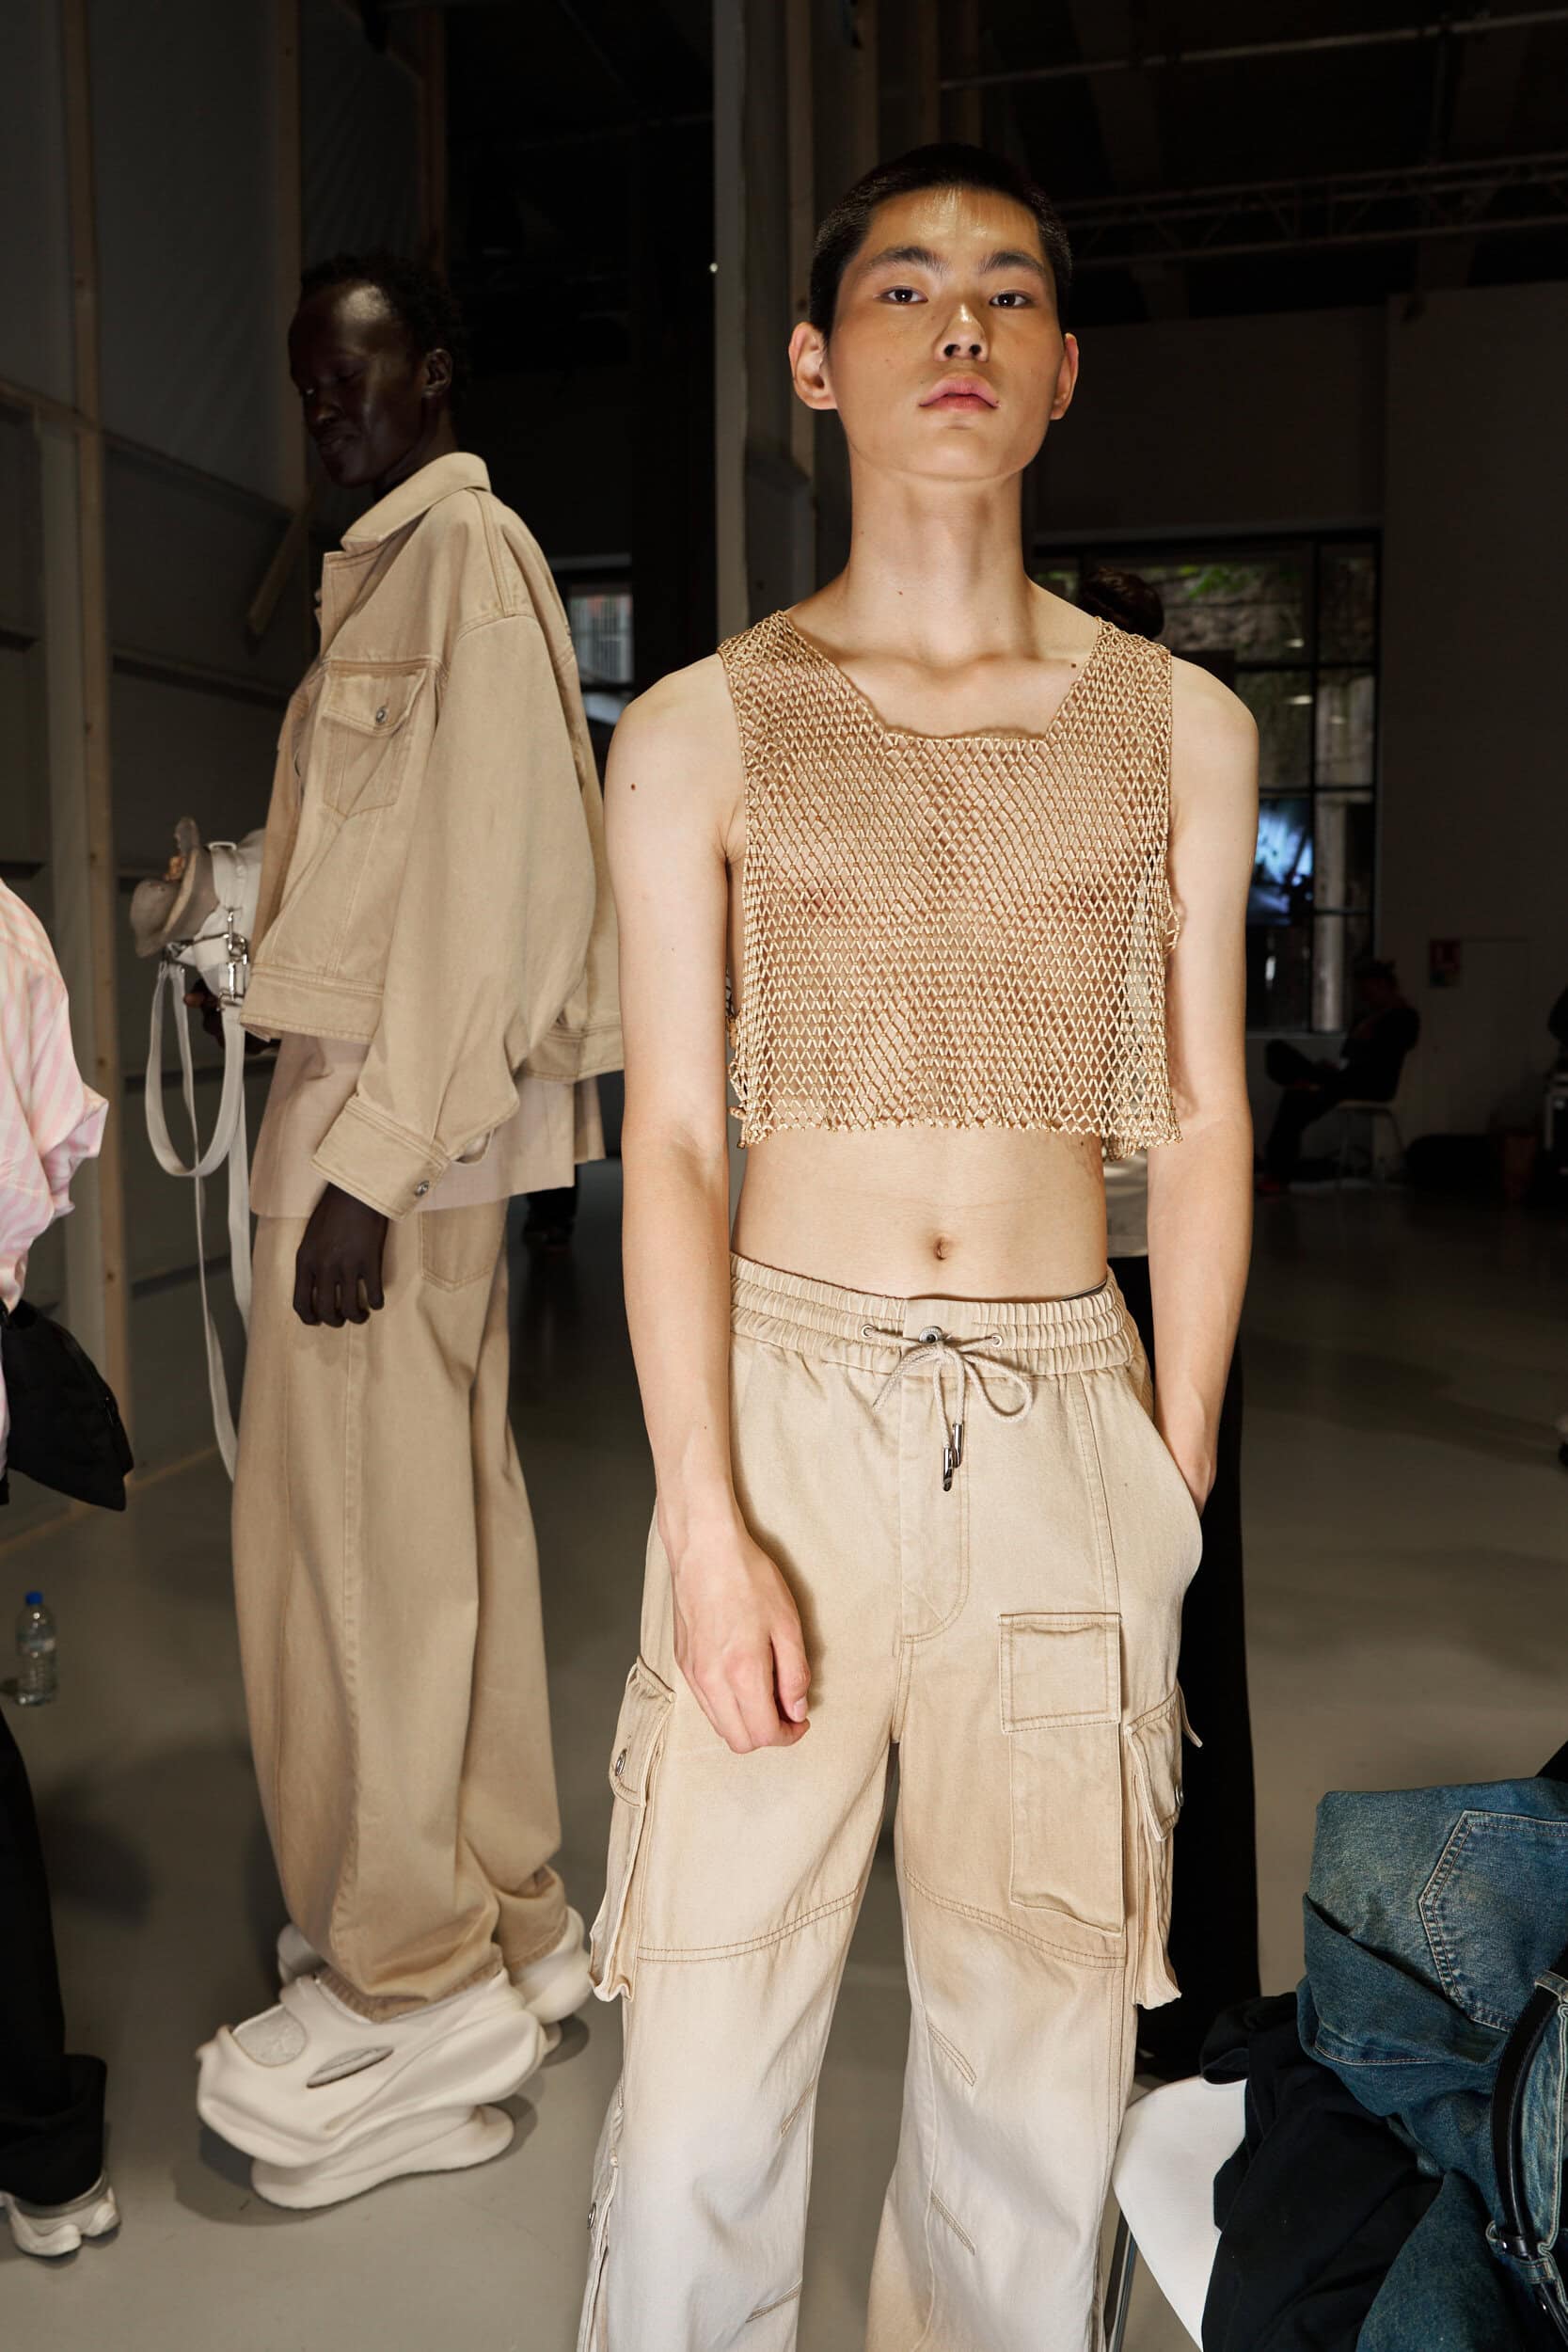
[{"x": 1220, "y": 424}]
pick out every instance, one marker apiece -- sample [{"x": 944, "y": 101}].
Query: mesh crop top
[{"x": 953, "y": 931}]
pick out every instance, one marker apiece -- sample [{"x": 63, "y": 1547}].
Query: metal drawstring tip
[
  {"x": 958, "y": 1444},
  {"x": 949, "y": 1464}
]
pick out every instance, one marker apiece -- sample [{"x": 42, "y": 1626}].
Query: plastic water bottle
[{"x": 37, "y": 1675}]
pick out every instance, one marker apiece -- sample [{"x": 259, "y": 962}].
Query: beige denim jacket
[{"x": 434, "y": 881}]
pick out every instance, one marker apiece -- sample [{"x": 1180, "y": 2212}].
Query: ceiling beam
[
  {"x": 1481, "y": 197},
  {"x": 1240, "y": 52}
]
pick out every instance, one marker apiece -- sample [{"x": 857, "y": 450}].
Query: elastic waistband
[{"x": 1041, "y": 1336}]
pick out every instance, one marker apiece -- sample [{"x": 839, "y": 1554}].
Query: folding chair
[{"x": 1173, "y": 2142}]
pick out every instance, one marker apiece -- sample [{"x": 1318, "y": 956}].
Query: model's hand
[
  {"x": 738, "y": 1641},
  {"x": 1194, "y": 1455},
  {"x": 338, "y": 1269}
]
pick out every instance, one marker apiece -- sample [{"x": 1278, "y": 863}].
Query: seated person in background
[{"x": 1368, "y": 1070}]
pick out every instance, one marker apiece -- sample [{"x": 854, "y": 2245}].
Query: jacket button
[
  {"x": 381, "y": 716},
  {"x": 619, "y": 1764},
  {"x": 420, "y": 1191}
]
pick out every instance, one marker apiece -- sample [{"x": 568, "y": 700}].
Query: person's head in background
[
  {"x": 378, "y": 351},
  {"x": 936, "y": 319},
  {"x": 1377, "y": 984},
  {"x": 1125, "y": 598},
  {"x": 1136, "y": 605}
]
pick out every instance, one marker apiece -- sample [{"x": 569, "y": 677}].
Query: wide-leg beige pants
[
  {"x": 1015, "y": 1633},
  {"x": 388, "y": 1586}
]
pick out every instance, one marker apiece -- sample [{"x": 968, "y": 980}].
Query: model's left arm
[
  {"x": 1201, "y": 1189},
  {"x": 491, "y": 926}
]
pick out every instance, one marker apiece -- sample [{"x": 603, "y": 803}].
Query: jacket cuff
[{"x": 381, "y": 1164}]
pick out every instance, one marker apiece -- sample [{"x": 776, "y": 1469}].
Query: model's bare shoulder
[
  {"x": 678, "y": 743},
  {"x": 1213, "y": 737}
]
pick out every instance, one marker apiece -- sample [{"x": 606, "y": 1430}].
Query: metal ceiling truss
[{"x": 1484, "y": 198}]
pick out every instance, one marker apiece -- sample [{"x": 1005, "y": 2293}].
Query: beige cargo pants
[
  {"x": 387, "y": 1587},
  {"x": 1002, "y": 1599}
]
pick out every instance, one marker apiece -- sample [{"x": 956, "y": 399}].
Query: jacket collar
[{"x": 459, "y": 469}]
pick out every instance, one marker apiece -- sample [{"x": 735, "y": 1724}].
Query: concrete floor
[{"x": 1409, "y": 1620}]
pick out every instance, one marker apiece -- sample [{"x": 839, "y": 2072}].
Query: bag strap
[
  {"x": 231, "y": 1142},
  {"x": 1510, "y": 2234}
]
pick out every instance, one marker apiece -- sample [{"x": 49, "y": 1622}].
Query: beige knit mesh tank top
[{"x": 953, "y": 930}]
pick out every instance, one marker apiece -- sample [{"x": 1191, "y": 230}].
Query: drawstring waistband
[{"x": 933, "y": 1346}]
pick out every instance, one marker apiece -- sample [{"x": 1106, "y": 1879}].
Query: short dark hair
[
  {"x": 423, "y": 302},
  {"x": 951, "y": 164},
  {"x": 1127, "y": 599}
]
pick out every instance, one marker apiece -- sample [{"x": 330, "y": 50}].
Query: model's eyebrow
[{"x": 921, "y": 257}]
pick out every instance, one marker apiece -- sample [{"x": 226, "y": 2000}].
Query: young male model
[
  {"x": 436, "y": 954},
  {"x": 944, "y": 829}
]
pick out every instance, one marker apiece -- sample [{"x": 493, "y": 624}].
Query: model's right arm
[{"x": 670, "y": 800}]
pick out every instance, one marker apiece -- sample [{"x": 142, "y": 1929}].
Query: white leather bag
[{"x": 205, "y": 927}]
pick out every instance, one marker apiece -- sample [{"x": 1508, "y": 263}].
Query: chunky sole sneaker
[
  {"x": 313, "y": 2079},
  {"x": 555, "y": 1986},
  {"x": 49, "y": 2230},
  {"x": 446, "y": 2140}
]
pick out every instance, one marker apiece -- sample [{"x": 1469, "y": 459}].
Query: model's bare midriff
[{"x": 923, "y": 1213}]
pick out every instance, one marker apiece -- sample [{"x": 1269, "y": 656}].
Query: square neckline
[{"x": 1028, "y": 736}]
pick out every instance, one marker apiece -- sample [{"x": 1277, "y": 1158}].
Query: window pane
[
  {"x": 600, "y": 621},
  {"x": 1340, "y": 941},
  {"x": 1347, "y": 705},
  {"x": 1061, "y": 579},
  {"x": 1281, "y": 702},
  {"x": 1342, "y": 852},
  {"x": 1255, "y": 608},
  {"x": 1347, "y": 604},
  {"x": 1279, "y": 910}
]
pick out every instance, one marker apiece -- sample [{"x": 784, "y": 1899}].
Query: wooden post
[
  {"x": 729, "y": 311},
  {"x": 433, "y": 138},
  {"x": 801, "y": 134},
  {"x": 83, "y": 865}
]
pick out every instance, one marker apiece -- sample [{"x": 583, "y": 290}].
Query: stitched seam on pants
[
  {"x": 1094, "y": 1473},
  {"x": 763, "y": 2308},
  {"x": 954, "y": 2224},
  {"x": 353, "y": 1516},
  {"x": 754, "y": 1944},
  {"x": 794, "y": 2115},
  {"x": 917, "y": 2004},
  {"x": 1006, "y": 1926},
  {"x": 952, "y": 2051},
  {"x": 290, "y": 1574}
]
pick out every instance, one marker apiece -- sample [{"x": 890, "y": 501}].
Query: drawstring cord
[{"x": 934, "y": 1348}]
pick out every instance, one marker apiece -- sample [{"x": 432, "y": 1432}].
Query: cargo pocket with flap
[
  {"x": 1061, "y": 1711},
  {"x": 1154, "y": 1761},
  {"x": 363, "y": 736},
  {"x": 639, "y": 1741}
]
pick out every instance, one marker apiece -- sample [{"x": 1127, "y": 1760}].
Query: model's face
[
  {"x": 946, "y": 358},
  {"x": 369, "y": 400}
]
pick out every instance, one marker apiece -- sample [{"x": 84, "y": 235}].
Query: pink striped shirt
[{"x": 49, "y": 1121}]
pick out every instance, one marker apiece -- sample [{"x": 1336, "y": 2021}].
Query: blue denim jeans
[{"x": 1431, "y": 1914}]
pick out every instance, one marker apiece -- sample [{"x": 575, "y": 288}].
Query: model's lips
[
  {"x": 336, "y": 437},
  {"x": 960, "y": 391}
]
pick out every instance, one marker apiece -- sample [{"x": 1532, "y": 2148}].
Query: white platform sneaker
[
  {"x": 51, "y": 2230},
  {"x": 555, "y": 1986},
  {"x": 330, "y": 2104}
]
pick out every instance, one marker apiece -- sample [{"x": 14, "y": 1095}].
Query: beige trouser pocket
[
  {"x": 643, "y": 1721},
  {"x": 1154, "y": 1754},
  {"x": 1061, "y": 1711}
]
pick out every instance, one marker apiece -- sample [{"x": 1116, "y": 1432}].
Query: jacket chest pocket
[{"x": 365, "y": 730}]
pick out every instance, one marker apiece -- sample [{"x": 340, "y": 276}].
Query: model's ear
[
  {"x": 808, "y": 365},
  {"x": 1066, "y": 378},
  {"x": 438, "y": 375}
]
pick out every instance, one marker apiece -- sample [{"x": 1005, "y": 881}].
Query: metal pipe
[{"x": 1232, "y": 53}]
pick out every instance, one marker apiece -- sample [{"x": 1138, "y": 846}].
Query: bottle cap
[{"x": 35, "y": 1601}]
